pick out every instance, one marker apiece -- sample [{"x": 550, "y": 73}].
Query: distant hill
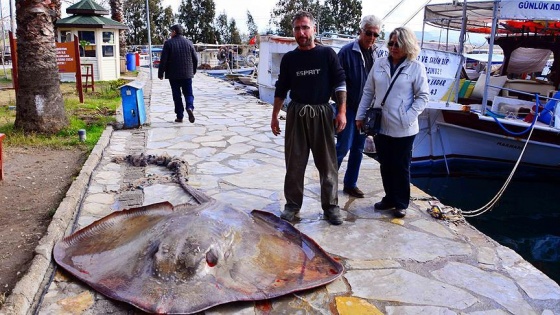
[
  {"x": 436, "y": 36},
  {"x": 433, "y": 40}
]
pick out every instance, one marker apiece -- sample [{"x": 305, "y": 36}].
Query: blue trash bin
[
  {"x": 133, "y": 108},
  {"x": 130, "y": 61}
]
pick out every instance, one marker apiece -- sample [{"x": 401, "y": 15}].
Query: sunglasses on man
[{"x": 370, "y": 33}]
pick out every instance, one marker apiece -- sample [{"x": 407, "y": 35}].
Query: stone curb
[{"x": 22, "y": 297}]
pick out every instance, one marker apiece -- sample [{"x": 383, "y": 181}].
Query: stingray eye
[{"x": 212, "y": 257}]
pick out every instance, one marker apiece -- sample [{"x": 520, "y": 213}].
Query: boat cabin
[
  {"x": 271, "y": 50},
  {"x": 530, "y": 63},
  {"x": 494, "y": 123}
]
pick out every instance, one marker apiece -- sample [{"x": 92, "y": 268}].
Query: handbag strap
[{"x": 391, "y": 85}]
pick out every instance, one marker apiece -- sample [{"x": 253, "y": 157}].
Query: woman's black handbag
[{"x": 372, "y": 121}]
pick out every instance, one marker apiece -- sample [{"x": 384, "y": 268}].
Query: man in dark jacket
[
  {"x": 357, "y": 59},
  {"x": 178, "y": 62}
]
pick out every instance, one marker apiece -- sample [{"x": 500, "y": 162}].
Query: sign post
[
  {"x": 13, "y": 51},
  {"x": 68, "y": 60}
]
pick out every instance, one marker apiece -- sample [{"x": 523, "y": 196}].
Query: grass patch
[
  {"x": 5, "y": 76},
  {"x": 97, "y": 111},
  {"x": 51, "y": 212}
]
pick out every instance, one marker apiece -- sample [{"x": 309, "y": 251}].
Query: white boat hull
[
  {"x": 479, "y": 139},
  {"x": 271, "y": 50},
  {"x": 224, "y": 72}
]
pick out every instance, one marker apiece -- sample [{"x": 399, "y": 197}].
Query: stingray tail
[
  {"x": 198, "y": 196},
  {"x": 179, "y": 167}
]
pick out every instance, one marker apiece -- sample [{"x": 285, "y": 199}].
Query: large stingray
[{"x": 187, "y": 258}]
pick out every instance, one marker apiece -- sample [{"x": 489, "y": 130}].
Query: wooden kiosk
[{"x": 98, "y": 37}]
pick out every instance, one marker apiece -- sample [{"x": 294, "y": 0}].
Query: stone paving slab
[{"x": 415, "y": 265}]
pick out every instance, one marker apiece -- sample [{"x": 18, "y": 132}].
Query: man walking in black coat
[{"x": 179, "y": 62}]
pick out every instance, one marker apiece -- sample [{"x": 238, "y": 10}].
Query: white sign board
[
  {"x": 441, "y": 68},
  {"x": 530, "y": 10}
]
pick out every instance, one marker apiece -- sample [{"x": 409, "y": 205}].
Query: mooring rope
[
  {"x": 490, "y": 205},
  {"x": 178, "y": 166}
]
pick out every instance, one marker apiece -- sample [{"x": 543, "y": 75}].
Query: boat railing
[
  {"x": 549, "y": 107},
  {"x": 529, "y": 86},
  {"x": 546, "y": 97},
  {"x": 335, "y": 35}
]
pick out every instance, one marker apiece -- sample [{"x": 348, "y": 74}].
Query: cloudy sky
[{"x": 261, "y": 9}]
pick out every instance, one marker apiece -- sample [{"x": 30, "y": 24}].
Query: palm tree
[
  {"x": 117, "y": 14},
  {"x": 39, "y": 102}
]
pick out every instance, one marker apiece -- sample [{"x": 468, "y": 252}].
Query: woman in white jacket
[{"x": 399, "y": 124}]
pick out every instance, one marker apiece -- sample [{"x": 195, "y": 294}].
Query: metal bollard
[{"x": 82, "y": 135}]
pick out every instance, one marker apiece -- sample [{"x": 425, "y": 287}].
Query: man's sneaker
[
  {"x": 191, "y": 115},
  {"x": 333, "y": 216},
  {"x": 179, "y": 120},
  {"x": 383, "y": 206},
  {"x": 399, "y": 213},
  {"x": 354, "y": 192},
  {"x": 289, "y": 214}
]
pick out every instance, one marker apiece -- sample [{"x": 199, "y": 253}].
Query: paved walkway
[{"x": 417, "y": 265}]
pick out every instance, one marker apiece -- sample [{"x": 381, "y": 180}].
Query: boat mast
[
  {"x": 462, "y": 40},
  {"x": 393, "y": 10},
  {"x": 490, "y": 51},
  {"x": 463, "y": 32},
  {"x": 417, "y": 11}
]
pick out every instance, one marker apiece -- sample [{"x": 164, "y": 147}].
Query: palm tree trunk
[
  {"x": 39, "y": 102},
  {"x": 117, "y": 14}
]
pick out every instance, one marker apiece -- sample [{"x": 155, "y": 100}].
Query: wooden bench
[{"x": 2, "y": 136}]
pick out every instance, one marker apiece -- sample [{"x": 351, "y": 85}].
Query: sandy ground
[{"x": 35, "y": 182}]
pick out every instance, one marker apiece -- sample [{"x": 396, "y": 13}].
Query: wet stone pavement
[{"x": 415, "y": 265}]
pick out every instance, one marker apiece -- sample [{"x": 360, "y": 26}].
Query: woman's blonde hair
[{"x": 407, "y": 41}]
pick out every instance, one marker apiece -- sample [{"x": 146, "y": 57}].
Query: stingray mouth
[{"x": 184, "y": 260}]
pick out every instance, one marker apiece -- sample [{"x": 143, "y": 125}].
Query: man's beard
[{"x": 304, "y": 42}]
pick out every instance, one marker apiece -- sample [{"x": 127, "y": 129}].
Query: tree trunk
[
  {"x": 57, "y": 7},
  {"x": 117, "y": 14},
  {"x": 39, "y": 102}
]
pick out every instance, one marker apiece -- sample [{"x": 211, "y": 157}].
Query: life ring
[{"x": 251, "y": 60}]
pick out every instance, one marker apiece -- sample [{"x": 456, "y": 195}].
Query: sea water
[{"x": 526, "y": 218}]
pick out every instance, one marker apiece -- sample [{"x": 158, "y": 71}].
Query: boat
[
  {"x": 458, "y": 135},
  {"x": 226, "y": 61},
  {"x": 476, "y": 63},
  {"x": 229, "y": 73},
  {"x": 271, "y": 50},
  {"x": 144, "y": 55},
  {"x": 501, "y": 127},
  {"x": 249, "y": 80}
]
